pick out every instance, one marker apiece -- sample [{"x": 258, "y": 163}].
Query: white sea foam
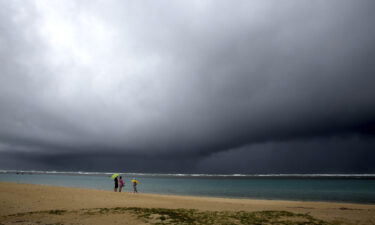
[{"x": 188, "y": 175}]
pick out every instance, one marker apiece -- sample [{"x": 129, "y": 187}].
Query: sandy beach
[{"x": 40, "y": 204}]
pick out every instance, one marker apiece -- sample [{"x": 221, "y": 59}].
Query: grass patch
[
  {"x": 161, "y": 216},
  {"x": 57, "y": 212}
]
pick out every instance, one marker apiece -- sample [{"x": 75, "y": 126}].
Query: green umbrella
[{"x": 115, "y": 175}]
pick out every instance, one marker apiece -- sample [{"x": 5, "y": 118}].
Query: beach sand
[{"x": 40, "y": 204}]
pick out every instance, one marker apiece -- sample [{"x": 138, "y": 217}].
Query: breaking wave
[{"x": 53, "y": 172}]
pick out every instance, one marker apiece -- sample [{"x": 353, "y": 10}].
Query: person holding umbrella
[
  {"x": 115, "y": 178},
  {"x": 135, "y": 182}
]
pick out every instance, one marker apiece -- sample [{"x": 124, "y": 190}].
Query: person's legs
[{"x": 119, "y": 190}]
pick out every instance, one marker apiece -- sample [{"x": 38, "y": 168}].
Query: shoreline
[
  {"x": 18, "y": 198},
  {"x": 200, "y": 196},
  {"x": 204, "y": 196}
]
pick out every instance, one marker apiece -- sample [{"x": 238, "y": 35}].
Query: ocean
[{"x": 353, "y": 188}]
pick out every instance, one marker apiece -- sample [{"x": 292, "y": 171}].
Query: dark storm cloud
[
  {"x": 321, "y": 155},
  {"x": 182, "y": 81}
]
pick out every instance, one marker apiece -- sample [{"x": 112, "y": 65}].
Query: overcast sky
[{"x": 188, "y": 86}]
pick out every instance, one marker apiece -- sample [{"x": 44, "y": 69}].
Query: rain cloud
[{"x": 201, "y": 86}]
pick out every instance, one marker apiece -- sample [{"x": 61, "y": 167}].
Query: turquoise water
[{"x": 336, "y": 189}]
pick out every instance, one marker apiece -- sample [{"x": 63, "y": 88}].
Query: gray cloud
[{"x": 183, "y": 81}]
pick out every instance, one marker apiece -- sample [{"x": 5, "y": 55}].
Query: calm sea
[{"x": 335, "y": 188}]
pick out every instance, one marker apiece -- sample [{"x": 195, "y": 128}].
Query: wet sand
[{"x": 40, "y": 204}]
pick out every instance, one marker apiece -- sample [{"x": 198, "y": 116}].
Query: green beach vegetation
[{"x": 162, "y": 216}]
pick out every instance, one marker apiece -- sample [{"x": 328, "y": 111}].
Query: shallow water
[{"x": 305, "y": 188}]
